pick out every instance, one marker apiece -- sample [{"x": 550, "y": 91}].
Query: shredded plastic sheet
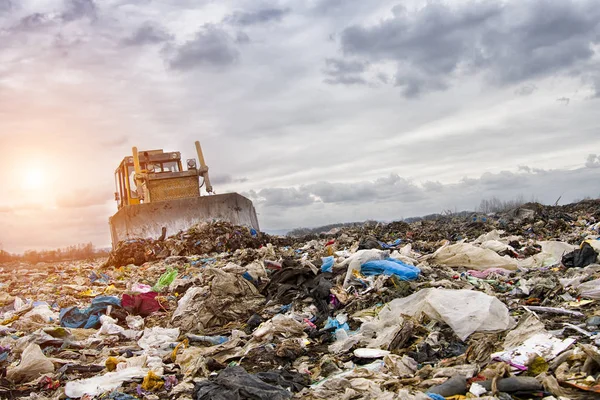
[
  {"x": 542, "y": 344},
  {"x": 102, "y": 383}
]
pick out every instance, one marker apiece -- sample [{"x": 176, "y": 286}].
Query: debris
[
  {"x": 33, "y": 365},
  {"x": 102, "y": 383},
  {"x": 236, "y": 383},
  {"x": 452, "y": 306}
]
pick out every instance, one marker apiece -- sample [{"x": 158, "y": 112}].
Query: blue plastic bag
[
  {"x": 334, "y": 323},
  {"x": 434, "y": 396},
  {"x": 73, "y": 317},
  {"x": 327, "y": 265},
  {"x": 390, "y": 266},
  {"x": 392, "y": 245}
]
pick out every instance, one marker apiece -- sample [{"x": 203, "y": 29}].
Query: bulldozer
[{"x": 156, "y": 196}]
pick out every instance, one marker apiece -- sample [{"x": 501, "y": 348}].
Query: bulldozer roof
[{"x": 154, "y": 156}]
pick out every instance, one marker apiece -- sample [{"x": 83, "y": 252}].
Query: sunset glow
[{"x": 33, "y": 179}]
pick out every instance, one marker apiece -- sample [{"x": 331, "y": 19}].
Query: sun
[{"x": 33, "y": 179}]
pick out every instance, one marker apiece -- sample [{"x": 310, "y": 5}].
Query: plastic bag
[
  {"x": 542, "y": 344},
  {"x": 465, "y": 311},
  {"x": 42, "y": 314},
  {"x": 359, "y": 258},
  {"x": 33, "y": 364},
  {"x": 157, "y": 341},
  {"x": 102, "y": 383},
  {"x": 470, "y": 256},
  {"x": 165, "y": 280},
  {"x": 590, "y": 290},
  {"x": 73, "y": 317},
  {"x": 142, "y": 304},
  {"x": 327, "y": 265},
  {"x": 390, "y": 266}
]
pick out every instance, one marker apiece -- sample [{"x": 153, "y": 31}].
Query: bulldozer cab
[
  {"x": 162, "y": 178},
  {"x": 155, "y": 195}
]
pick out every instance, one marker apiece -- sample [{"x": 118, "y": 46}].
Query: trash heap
[{"x": 502, "y": 306}]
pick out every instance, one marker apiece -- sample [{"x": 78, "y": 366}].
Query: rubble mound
[{"x": 205, "y": 238}]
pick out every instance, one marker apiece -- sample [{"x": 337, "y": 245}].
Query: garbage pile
[{"x": 495, "y": 307}]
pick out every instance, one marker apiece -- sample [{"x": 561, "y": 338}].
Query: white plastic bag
[
  {"x": 102, "y": 383},
  {"x": 33, "y": 365},
  {"x": 157, "y": 341},
  {"x": 359, "y": 258},
  {"x": 41, "y": 314},
  {"x": 590, "y": 290},
  {"x": 465, "y": 311},
  {"x": 471, "y": 257}
]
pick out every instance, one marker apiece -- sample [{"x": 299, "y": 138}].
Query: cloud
[
  {"x": 392, "y": 187},
  {"x": 564, "y": 100},
  {"x": 383, "y": 198},
  {"x": 222, "y": 179},
  {"x": 34, "y": 21},
  {"x": 596, "y": 85},
  {"x": 6, "y": 5},
  {"x": 261, "y": 16},
  {"x": 281, "y": 197},
  {"x": 148, "y": 33},
  {"x": 525, "y": 90},
  {"x": 77, "y": 9},
  {"x": 508, "y": 42},
  {"x": 593, "y": 161},
  {"x": 83, "y": 198},
  {"x": 10, "y": 209},
  {"x": 211, "y": 46},
  {"x": 115, "y": 141},
  {"x": 344, "y": 71}
]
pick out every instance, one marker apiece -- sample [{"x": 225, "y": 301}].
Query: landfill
[{"x": 496, "y": 306}]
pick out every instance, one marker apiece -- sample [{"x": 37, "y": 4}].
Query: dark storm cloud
[
  {"x": 148, "y": 33},
  {"x": 394, "y": 197},
  {"x": 344, "y": 71},
  {"x": 511, "y": 43},
  {"x": 392, "y": 187},
  {"x": 211, "y": 46},
  {"x": 262, "y": 16},
  {"x": 76, "y": 9}
]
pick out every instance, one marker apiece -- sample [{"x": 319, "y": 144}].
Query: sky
[{"x": 319, "y": 111}]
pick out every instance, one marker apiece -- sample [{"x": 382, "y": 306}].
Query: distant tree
[{"x": 495, "y": 205}]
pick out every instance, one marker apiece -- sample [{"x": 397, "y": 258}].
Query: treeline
[{"x": 80, "y": 251}]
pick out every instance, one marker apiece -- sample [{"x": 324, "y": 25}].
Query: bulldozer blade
[{"x": 148, "y": 220}]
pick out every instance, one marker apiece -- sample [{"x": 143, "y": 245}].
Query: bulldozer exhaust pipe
[
  {"x": 203, "y": 167},
  {"x": 136, "y": 160}
]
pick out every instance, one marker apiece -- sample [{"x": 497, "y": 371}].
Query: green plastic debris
[{"x": 165, "y": 280}]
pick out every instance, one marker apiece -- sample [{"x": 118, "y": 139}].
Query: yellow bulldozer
[{"x": 156, "y": 196}]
